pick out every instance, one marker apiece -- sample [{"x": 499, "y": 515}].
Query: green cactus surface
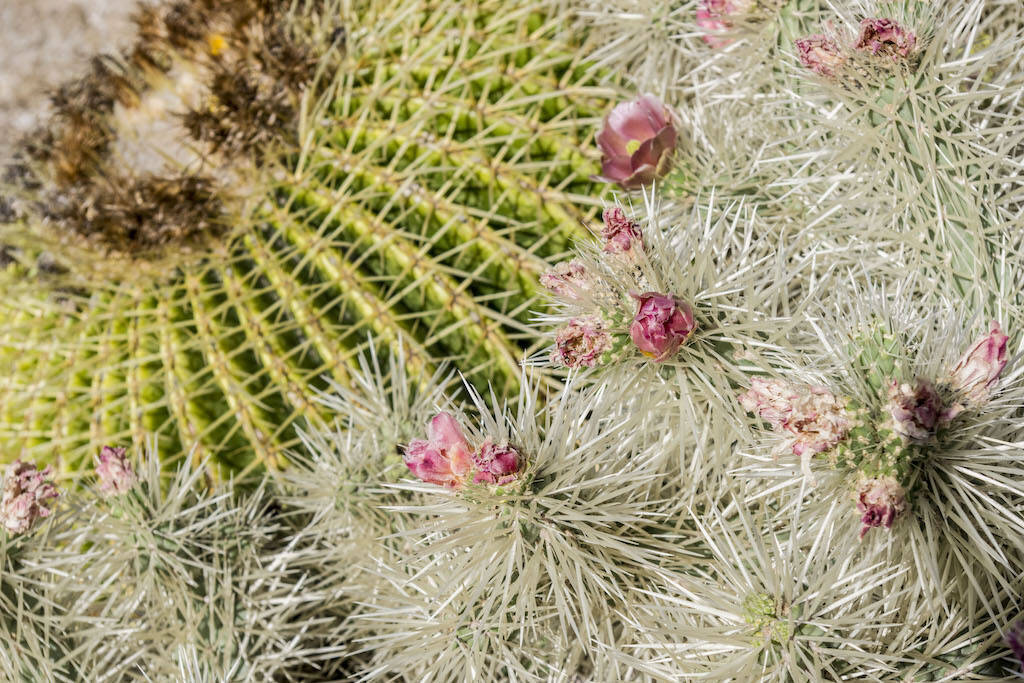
[{"x": 415, "y": 198}]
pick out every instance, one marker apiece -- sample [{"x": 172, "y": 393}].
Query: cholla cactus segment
[
  {"x": 661, "y": 324},
  {"x": 27, "y": 497},
  {"x": 537, "y": 560},
  {"x": 885, "y": 37},
  {"x": 816, "y": 418},
  {"x": 115, "y": 471},
  {"x": 637, "y": 142},
  {"x": 820, "y": 54},
  {"x": 880, "y": 500},
  {"x": 582, "y": 343},
  {"x": 977, "y": 372}
]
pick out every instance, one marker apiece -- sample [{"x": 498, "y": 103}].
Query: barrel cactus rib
[
  {"x": 437, "y": 168},
  {"x": 495, "y": 257},
  {"x": 462, "y": 325},
  {"x": 256, "y": 421}
]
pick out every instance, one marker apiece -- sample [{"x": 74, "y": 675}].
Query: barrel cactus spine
[{"x": 414, "y": 197}]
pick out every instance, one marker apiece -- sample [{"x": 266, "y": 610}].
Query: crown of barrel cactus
[{"x": 410, "y": 172}]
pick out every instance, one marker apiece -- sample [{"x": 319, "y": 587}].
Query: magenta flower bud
[
  {"x": 814, "y": 416},
  {"x": 567, "y": 279},
  {"x": 637, "y": 142},
  {"x": 885, "y": 37},
  {"x": 25, "y": 497},
  {"x": 620, "y": 233},
  {"x": 880, "y": 500},
  {"x": 660, "y": 325},
  {"x": 496, "y": 464},
  {"x": 114, "y": 471},
  {"x": 977, "y": 371},
  {"x": 581, "y": 343},
  {"x": 445, "y": 458},
  {"x": 917, "y": 410},
  {"x": 819, "y": 54}
]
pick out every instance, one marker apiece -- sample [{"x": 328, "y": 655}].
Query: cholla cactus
[
  {"x": 777, "y": 434},
  {"x": 929, "y": 439}
]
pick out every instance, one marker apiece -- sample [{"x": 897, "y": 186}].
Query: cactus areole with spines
[{"x": 414, "y": 198}]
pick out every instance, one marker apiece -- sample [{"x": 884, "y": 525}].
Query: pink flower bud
[
  {"x": 885, "y": 37},
  {"x": 637, "y": 142},
  {"x": 880, "y": 500},
  {"x": 819, "y": 54},
  {"x": 660, "y": 325},
  {"x": 917, "y": 410},
  {"x": 25, "y": 495},
  {"x": 817, "y": 420},
  {"x": 114, "y": 471},
  {"x": 496, "y": 464},
  {"x": 445, "y": 458},
  {"x": 977, "y": 371},
  {"x": 620, "y": 233},
  {"x": 581, "y": 343},
  {"x": 567, "y": 279}
]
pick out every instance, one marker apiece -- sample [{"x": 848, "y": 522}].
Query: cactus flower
[
  {"x": 445, "y": 458},
  {"x": 637, "y": 142},
  {"x": 114, "y": 471},
  {"x": 820, "y": 54},
  {"x": 714, "y": 17},
  {"x": 814, "y": 416},
  {"x": 567, "y": 279},
  {"x": 620, "y": 233},
  {"x": 917, "y": 410},
  {"x": 977, "y": 371},
  {"x": 880, "y": 500},
  {"x": 885, "y": 37},
  {"x": 661, "y": 324},
  {"x": 581, "y": 343},
  {"x": 496, "y": 463},
  {"x": 25, "y": 497}
]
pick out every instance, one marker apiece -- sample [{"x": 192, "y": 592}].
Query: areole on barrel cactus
[{"x": 417, "y": 194}]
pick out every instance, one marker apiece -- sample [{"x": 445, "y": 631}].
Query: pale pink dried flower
[
  {"x": 820, "y": 54},
  {"x": 637, "y": 142},
  {"x": 880, "y": 500},
  {"x": 977, "y": 372},
  {"x": 917, "y": 410},
  {"x": 567, "y": 279},
  {"x": 620, "y": 233},
  {"x": 581, "y": 342},
  {"x": 445, "y": 458},
  {"x": 661, "y": 324},
  {"x": 114, "y": 471},
  {"x": 885, "y": 37},
  {"x": 496, "y": 463},
  {"x": 26, "y": 495},
  {"x": 814, "y": 416}
]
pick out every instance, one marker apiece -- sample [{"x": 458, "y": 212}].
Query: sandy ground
[{"x": 45, "y": 42}]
